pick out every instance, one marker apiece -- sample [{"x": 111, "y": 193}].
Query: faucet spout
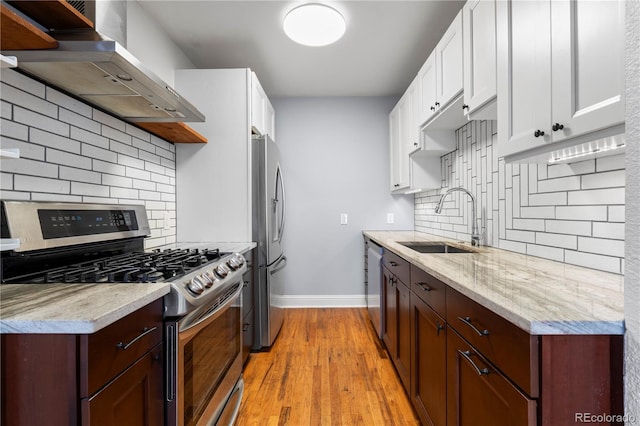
[{"x": 475, "y": 235}]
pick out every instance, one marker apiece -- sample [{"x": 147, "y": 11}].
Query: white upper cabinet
[
  {"x": 398, "y": 154},
  {"x": 560, "y": 74},
  {"x": 440, "y": 78},
  {"x": 479, "y": 46},
  {"x": 262, "y": 112}
]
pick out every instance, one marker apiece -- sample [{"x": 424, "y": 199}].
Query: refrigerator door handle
[
  {"x": 279, "y": 223},
  {"x": 276, "y": 266}
]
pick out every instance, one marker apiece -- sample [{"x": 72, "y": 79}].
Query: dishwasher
[{"x": 373, "y": 285}]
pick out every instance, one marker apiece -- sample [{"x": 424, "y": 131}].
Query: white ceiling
[{"x": 383, "y": 48}]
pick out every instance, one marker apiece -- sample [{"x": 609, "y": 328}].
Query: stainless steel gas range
[{"x": 100, "y": 243}]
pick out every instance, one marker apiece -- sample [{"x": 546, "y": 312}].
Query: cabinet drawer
[
  {"x": 511, "y": 349},
  {"x": 429, "y": 289},
  {"x": 479, "y": 394},
  {"x": 397, "y": 266},
  {"x": 104, "y": 354}
]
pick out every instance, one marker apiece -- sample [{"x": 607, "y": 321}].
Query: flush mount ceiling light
[{"x": 314, "y": 24}]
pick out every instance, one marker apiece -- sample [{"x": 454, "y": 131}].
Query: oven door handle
[{"x": 201, "y": 321}]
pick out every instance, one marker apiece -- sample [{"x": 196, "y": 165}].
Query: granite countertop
[
  {"x": 82, "y": 308},
  {"x": 540, "y": 296},
  {"x": 71, "y": 308}
]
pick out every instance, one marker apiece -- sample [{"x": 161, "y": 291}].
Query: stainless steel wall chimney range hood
[{"x": 95, "y": 66}]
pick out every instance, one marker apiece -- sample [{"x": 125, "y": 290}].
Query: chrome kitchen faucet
[{"x": 475, "y": 235}]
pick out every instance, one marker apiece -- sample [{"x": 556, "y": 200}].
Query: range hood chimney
[{"x": 94, "y": 65}]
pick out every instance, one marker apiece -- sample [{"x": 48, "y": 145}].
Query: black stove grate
[{"x": 131, "y": 267}]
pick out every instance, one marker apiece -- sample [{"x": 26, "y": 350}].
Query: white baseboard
[{"x": 324, "y": 301}]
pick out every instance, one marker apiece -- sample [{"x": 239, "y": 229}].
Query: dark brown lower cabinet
[
  {"x": 397, "y": 311},
  {"x": 480, "y": 395},
  {"x": 428, "y": 363},
  {"x": 112, "y": 377},
  {"x": 133, "y": 398}
]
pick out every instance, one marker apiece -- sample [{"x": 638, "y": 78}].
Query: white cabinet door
[
  {"x": 428, "y": 88},
  {"x": 524, "y": 75},
  {"x": 479, "y": 47},
  {"x": 258, "y": 105},
  {"x": 412, "y": 122},
  {"x": 560, "y": 74},
  {"x": 440, "y": 78},
  {"x": 449, "y": 63},
  {"x": 587, "y": 44},
  {"x": 270, "y": 120},
  {"x": 398, "y": 155}
]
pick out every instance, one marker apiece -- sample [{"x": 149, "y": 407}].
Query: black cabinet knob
[
  {"x": 415, "y": 144},
  {"x": 433, "y": 108},
  {"x": 465, "y": 106},
  {"x": 557, "y": 126},
  {"x": 437, "y": 104},
  {"x": 538, "y": 133}
]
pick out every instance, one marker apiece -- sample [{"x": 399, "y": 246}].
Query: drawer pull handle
[
  {"x": 145, "y": 331},
  {"x": 424, "y": 286},
  {"x": 392, "y": 263},
  {"x": 439, "y": 328},
  {"x": 467, "y": 321},
  {"x": 467, "y": 356}
]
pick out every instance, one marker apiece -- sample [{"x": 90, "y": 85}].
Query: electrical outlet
[
  {"x": 344, "y": 218},
  {"x": 390, "y": 218}
]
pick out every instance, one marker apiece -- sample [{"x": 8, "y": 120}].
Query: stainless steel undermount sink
[{"x": 434, "y": 247}]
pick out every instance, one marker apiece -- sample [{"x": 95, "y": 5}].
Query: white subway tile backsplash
[
  {"x": 124, "y": 193},
  {"x": 612, "y": 162},
  {"x": 109, "y": 120},
  {"x": 51, "y": 140},
  {"x": 582, "y": 212},
  {"x": 588, "y": 260},
  {"x": 80, "y": 154},
  {"x": 546, "y": 252},
  {"x": 92, "y": 151},
  {"x": 14, "y": 130},
  {"x": 608, "y": 230},
  {"x": 567, "y": 183},
  {"x": 79, "y": 188},
  {"x": 604, "y": 180},
  {"x": 89, "y": 137},
  {"x": 22, "y": 82},
  {"x": 67, "y": 159},
  {"x": 25, "y": 166},
  {"x": 28, "y": 101},
  {"x": 538, "y": 209},
  {"x": 573, "y": 227},
  {"x": 79, "y": 175},
  {"x": 78, "y": 120},
  {"x": 557, "y": 240},
  {"x": 117, "y": 180},
  {"x": 601, "y": 246},
  {"x": 39, "y": 184},
  {"x": 597, "y": 196},
  {"x": 69, "y": 103},
  {"x": 40, "y": 121}
]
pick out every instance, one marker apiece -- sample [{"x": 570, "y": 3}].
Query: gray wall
[
  {"x": 335, "y": 156},
  {"x": 572, "y": 213},
  {"x": 632, "y": 271}
]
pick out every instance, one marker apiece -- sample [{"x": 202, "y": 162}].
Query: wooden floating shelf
[
  {"x": 53, "y": 14},
  {"x": 173, "y": 132},
  {"x": 18, "y": 34}
]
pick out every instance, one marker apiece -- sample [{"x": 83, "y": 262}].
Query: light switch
[
  {"x": 390, "y": 218},
  {"x": 343, "y": 218}
]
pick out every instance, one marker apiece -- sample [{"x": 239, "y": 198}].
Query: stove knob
[
  {"x": 210, "y": 279},
  {"x": 233, "y": 264},
  {"x": 236, "y": 261},
  {"x": 196, "y": 286},
  {"x": 221, "y": 271}
]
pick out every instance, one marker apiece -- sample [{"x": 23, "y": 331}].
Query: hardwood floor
[{"x": 326, "y": 367}]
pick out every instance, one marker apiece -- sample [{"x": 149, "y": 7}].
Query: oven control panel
[{"x": 213, "y": 277}]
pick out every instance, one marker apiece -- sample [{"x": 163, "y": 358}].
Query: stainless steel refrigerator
[{"x": 268, "y": 226}]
